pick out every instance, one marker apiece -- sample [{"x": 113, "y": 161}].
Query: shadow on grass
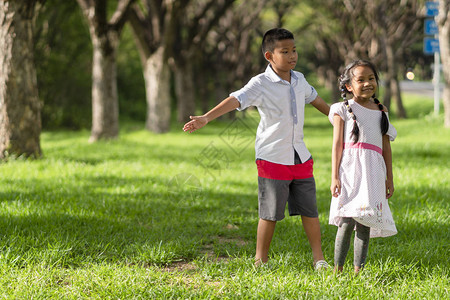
[
  {"x": 141, "y": 220},
  {"x": 85, "y": 222},
  {"x": 422, "y": 243},
  {"x": 422, "y": 221}
]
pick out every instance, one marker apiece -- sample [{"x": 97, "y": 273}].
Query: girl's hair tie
[{"x": 380, "y": 106}]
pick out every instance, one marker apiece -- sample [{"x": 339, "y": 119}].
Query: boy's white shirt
[{"x": 281, "y": 106}]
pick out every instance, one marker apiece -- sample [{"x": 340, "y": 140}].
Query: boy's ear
[{"x": 268, "y": 55}]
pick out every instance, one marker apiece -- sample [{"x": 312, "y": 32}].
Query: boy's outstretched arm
[
  {"x": 222, "y": 108},
  {"x": 321, "y": 105}
]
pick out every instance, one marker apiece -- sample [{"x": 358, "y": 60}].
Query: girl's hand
[
  {"x": 389, "y": 188},
  {"x": 196, "y": 122},
  {"x": 335, "y": 187}
]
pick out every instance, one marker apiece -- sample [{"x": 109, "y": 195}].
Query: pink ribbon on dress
[{"x": 363, "y": 146}]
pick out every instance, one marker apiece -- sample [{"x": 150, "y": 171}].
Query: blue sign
[
  {"x": 432, "y": 8},
  {"x": 430, "y": 45},
  {"x": 431, "y": 27}
]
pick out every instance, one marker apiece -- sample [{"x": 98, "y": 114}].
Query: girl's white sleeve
[
  {"x": 392, "y": 132},
  {"x": 338, "y": 109}
]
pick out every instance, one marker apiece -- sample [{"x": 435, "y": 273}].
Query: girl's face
[{"x": 363, "y": 84}]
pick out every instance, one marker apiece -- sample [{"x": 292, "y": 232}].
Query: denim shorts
[{"x": 280, "y": 184}]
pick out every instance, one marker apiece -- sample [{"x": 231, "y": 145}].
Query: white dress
[{"x": 362, "y": 172}]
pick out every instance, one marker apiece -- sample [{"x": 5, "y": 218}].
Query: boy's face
[{"x": 284, "y": 56}]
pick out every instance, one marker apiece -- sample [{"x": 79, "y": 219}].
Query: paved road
[{"x": 419, "y": 88}]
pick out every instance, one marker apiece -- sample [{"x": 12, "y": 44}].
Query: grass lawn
[{"x": 174, "y": 216}]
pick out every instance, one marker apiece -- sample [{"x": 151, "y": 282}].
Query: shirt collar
[{"x": 272, "y": 76}]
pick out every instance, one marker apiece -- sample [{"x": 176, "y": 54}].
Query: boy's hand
[
  {"x": 196, "y": 122},
  {"x": 389, "y": 188},
  {"x": 335, "y": 187}
]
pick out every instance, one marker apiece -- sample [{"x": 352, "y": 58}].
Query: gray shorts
[
  {"x": 273, "y": 194},
  {"x": 281, "y": 184}
]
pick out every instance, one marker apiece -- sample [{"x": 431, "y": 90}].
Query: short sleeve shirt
[{"x": 281, "y": 105}]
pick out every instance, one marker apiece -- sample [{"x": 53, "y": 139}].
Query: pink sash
[{"x": 363, "y": 146}]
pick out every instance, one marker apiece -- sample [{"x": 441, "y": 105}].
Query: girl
[{"x": 361, "y": 179}]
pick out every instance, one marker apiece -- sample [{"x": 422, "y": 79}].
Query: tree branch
[
  {"x": 195, "y": 23},
  {"x": 84, "y": 4},
  {"x": 119, "y": 17},
  {"x": 202, "y": 33},
  {"x": 142, "y": 30}
]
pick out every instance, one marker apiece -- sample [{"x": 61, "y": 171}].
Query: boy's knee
[{"x": 267, "y": 220}]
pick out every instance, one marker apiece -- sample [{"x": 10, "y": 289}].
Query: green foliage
[
  {"x": 130, "y": 80},
  {"x": 141, "y": 217},
  {"x": 63, "y": 59},
  {"x": 62, "y": 55}
]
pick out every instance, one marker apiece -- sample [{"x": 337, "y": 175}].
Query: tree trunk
[
  {"x": 105, "y": 102},
  {"x": 390, "y": 74},
  {"x": 387, "y": 92},
  {"x": 157, "y": 87},
  {"x": 444, "y": 45},
  {"x": 202, "y": 88},
  {"x": 20, "y": 109},
  {"x": 395, "y": 87},
  {"x": 221, "y": 92},
  {"x": 184, "y": 88},
  {"x": 446, "y": 97},
  {"x": 332, "y": 79},
  {"x": 105, "y": 40}
]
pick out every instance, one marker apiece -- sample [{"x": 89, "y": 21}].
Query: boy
[{"x": 284, "y": 163}]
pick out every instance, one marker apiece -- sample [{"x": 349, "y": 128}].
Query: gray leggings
[{"x": 342, "y": 244}]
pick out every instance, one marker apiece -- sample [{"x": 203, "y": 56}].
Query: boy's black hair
[
  {"x": 346, "y": 78},
  {"x": 274, "y": 35}
]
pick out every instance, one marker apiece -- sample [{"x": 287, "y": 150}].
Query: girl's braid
[
  {"x": 384, "y": 119},
  {"x": 345, "y": 79}
]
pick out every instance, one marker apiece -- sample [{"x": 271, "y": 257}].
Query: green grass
[{"x": 174, "y": 216}]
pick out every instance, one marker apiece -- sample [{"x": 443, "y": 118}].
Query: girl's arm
[
  {"x": 222, "y": 108},
  {"x": 387, "y": 155},
  {"x": 336, "y": 154}
]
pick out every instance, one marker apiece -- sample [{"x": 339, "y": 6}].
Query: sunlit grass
[{"x": 174, "y": 216}]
